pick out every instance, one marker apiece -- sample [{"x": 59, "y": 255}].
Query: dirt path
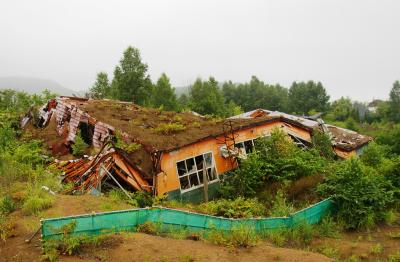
[{"x": 142, "y": 247}]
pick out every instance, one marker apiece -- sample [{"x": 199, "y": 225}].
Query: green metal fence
[{"x": 127, "y": 220}]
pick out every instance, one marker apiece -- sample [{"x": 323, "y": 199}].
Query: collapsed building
[{"x": 182, "y": 155}]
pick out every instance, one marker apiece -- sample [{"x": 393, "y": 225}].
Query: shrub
[
  {"x": 361, "y": 195},
  {"x": 79, "y": 147},
  {"x": 147, "y": 228},
  {"x": 68, "y": 243},
  {"x": 391, "y": 171},
  {"x": 243, "y": 236},
  {"x": 239, "y": 236},
  {"x": 277, "y": 159},
  {"x": 302, "y": 234},
  {"x": 143, "y": 199},
  {"x": 280, "y": 206},
  {"x": 237, "y": 208},
  {"x": 128, "y": 147},
  {"x": 169, "y": 128},
  {"x": 323, "y": 144},
  {"x": 117, "y": 195},
  {"x": 328, "y": 228},
  {"x": 7, "y": 205},
  {"x": 373, "y": 155}
]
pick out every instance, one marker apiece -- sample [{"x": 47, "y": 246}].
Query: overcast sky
[{"x": 351, "y": 46}]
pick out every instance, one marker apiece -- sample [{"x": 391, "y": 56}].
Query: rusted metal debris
[{"x": 89, "y": 174}]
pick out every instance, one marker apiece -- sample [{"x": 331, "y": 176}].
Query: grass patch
[
  {"x": 240, "y": 236},
  {"x": 329, "y": 251},
  {"x": 69, "y": 244},
  {"x": 377, "y": 249},
  {"x": 7, "y": 205},
  {"x": 236, "y": 208},
  {"x": 169, "y": 128},
  {"x": 36, "y": 203}
]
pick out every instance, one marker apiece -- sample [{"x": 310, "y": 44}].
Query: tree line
[{"x": 131, "y": 82}]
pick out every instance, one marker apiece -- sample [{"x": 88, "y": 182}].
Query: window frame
[
  {"x": 213, "y": 165},
  {"x": 244, "y": 147}
]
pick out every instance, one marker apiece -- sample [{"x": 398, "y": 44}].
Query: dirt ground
[
  {"x": 375, "y": 245},
  {"x": 141, "y": 247}
]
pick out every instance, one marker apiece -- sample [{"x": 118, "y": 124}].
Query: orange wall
[
  {"x": 168, "y": 179},
  {"x": 344, "y": 154}
]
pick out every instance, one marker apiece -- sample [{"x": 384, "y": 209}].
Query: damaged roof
[
  {"x": 342, "y": 138},
  {"x": 143, "y": 124}
]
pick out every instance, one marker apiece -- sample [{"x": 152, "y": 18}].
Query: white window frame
[
  {"x": 213, "y": 166},
  {"x": 242, "y": 142}
]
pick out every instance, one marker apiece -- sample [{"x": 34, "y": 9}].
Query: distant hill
[{"x": 33, "y": 85}]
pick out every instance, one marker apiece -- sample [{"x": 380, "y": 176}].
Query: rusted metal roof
[{"x": 342, "y": 138}]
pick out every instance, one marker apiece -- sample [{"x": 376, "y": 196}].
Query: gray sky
[{"x": 351, "y": 46}]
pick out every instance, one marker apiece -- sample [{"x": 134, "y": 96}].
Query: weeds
[
  {"x": 329, "y": 251},
  {"x": 7, "y": 205},
  {"x": 394, "y": 257},
  {"x": 377, "y": 249},
  {"x": 6, "y": 228},
  {"x": 69, "y": 244},
  {"x": 169, "y": 128},
  {"x": 329, "y": 228},
  {"x": 240, "y": 236},
  {"x": 390, "y": 217},
  {"x": 352, "y": 258},
  {"x": 394, "y": 235},
  {"x": 128, "y": 147},
  {"x": 301, "y": 235},
  {"x": 36, "y": 203},
  {"x": 236, "y": 208},
  {"x": 79, "y": 147},
  {"x": 280, "y": 207},
  {"x": 147, "y": 228}
]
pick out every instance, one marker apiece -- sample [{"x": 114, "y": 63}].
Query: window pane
[
  {"x": 248, "y": 145},
  {"x": 201, "y": 177},
  {"x": 212, "y": 174},
  {"x": 239, "y": 145},
  {"x": 184, "y": 182},
  {"x": 190, "y": 165},
  {"x": 199, "y": 162},
  {"x": 208, "y": 159},
  {"x": 181, "y": 168},
  {"x": 194, "y": 181}
]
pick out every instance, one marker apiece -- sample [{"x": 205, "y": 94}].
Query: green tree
[
  {"x": 183, "y": 101},
  {"x": 394, "y": 102},
  {"x": 256, "y": 94},
  {"x": 131, "y": 81},
  {"x": 342, "y": 109},
  {"x": 164, "y": 95},
  {"x": 307, "y": 96},
  {"x": 323, "y": 144},
  {"x": 207, "y": 98},
  {"x": 101, "y": 87}
]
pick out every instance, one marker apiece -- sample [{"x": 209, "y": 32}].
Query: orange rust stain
[
  {"x": 168, "y": 180},
  {"x": 258, "y": 113}
]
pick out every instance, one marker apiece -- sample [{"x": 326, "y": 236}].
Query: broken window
[
  {"x": 246, "y": 147},
  {"x": 190, "y": 171}
]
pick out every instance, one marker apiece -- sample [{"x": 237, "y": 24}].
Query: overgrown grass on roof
[{"x": 169, "y": 128}]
